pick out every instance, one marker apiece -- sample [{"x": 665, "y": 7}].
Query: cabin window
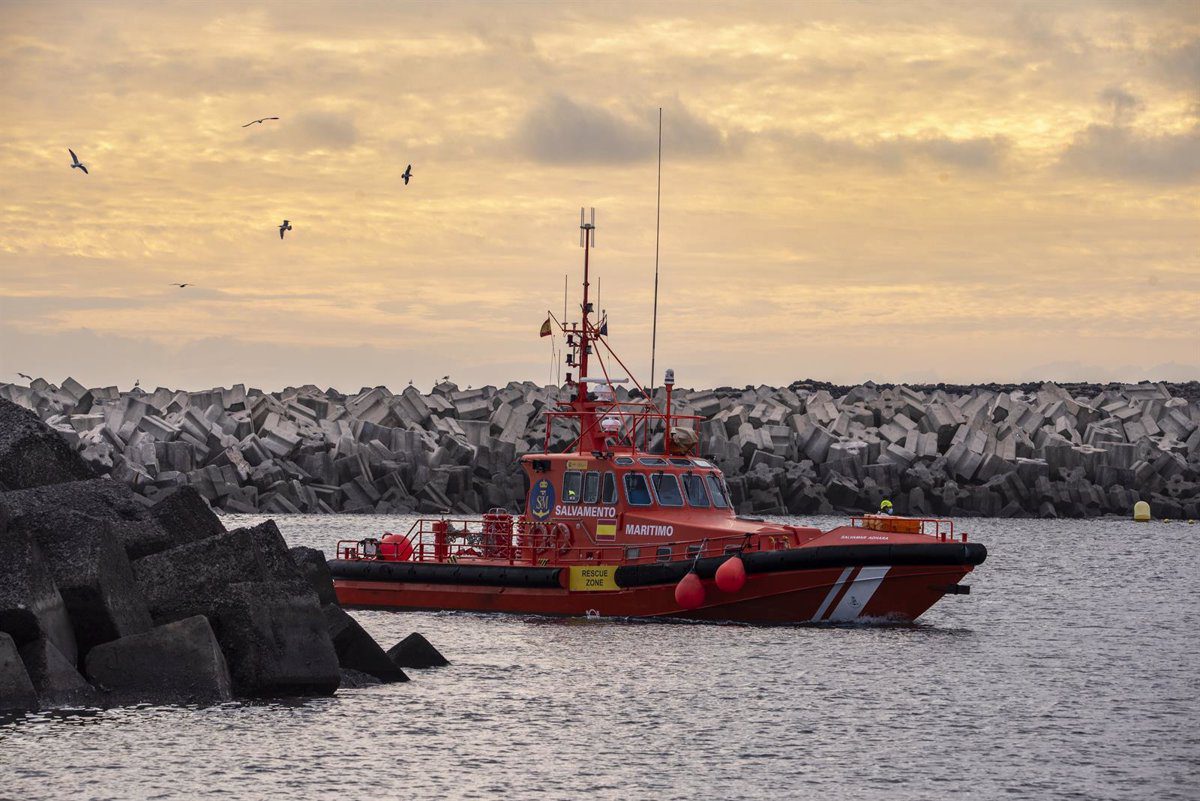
[
  {"x": 663, "y": 554},
  {"x": 624, "y": 460},
  {"x": 717, "y": 490},
  {"x": 666, "y": 487},
  {"x": 703, "y": 463},
  {"x": 571, "y": 481},
  {"x": 632, "y": 553},
  {"x": 681, "y": 463},
  {"x": 693, "y": 551},
  {"x": 637, "y": 491},
  {"x": 608, "y": 494},
  {"x": 591, "y": 487},
  {"x": 693, "y": 487},
  {"x": 653, "y": 461}
]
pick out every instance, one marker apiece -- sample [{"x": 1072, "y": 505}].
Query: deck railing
[{"x": 940, "y": 529}]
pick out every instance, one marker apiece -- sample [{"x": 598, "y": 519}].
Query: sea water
[{"x": 1072, "y": 670}]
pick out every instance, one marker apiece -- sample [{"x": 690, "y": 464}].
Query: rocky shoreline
[
  {"x": 109, "y": 599},
  {"x": 1072, "y": 450}
]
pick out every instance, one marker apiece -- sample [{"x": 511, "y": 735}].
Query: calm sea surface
[{"x": 1072, "y": 671}]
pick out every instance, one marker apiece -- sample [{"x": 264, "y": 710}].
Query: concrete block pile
[
  {"x": 1073, "y": 450},
  {"x": 107, "y": 598}
]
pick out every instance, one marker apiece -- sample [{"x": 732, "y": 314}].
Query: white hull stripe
[
  {"x": 833, "y": 591},
  {"x": 859, "y": 594}
]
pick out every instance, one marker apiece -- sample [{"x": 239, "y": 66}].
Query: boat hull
[{"x": 839, "y": 594}]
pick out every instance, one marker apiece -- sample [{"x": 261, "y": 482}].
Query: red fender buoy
[
  {"x": 395, "y": 548},
  {"x": 731, "y": 575},
  {"x": 689, "y": 592}
]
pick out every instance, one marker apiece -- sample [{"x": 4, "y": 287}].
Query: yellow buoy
[{"x": 1141, "y": 511}]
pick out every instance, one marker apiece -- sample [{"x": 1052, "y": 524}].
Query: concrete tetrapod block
[
  {"x": 275, "y": 641},
  {"x": 414, "y": 651},
  {"x": 30, "y": 604},
  {"x": 179, "y": 663},
  {"x": 55, "y": 680},
  {"x": 16, "y": 689},
  {"x": 185, "y": 517},
  {"x": 315, "y": 570},
  {"x": 32, "y": 454},
  {"x": 93, "y": 576},
  {"x": 356, "y": 650}
]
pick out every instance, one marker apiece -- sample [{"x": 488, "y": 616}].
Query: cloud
[
  {"x": 306, "y": 131},
  {"x": 559, "y": 131},
  {"x": 1117, "y": 150},
  {"x": 895, "y": 153}
]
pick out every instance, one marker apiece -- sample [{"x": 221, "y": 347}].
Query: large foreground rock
[
  {"x": 315, "y": 569},
  {"x": 179, "y": 662},
  {"x": 93, "y": 575},
  {"x": 30, "y": 604},
  {"x": 16, "y": 690},
  {"x": 56, "y": 680},
  {"x": 184, "y": 517},
  {"x": 275, "y": 640},
  {"x": 356, "y": 650},
  {"x": 32, "y": 454},
  {"x": 414, "y": 651}
]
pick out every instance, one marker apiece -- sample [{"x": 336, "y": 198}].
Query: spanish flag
[
  {"x": 546, "y": 330},
  {"x": 606, "y": 530}
]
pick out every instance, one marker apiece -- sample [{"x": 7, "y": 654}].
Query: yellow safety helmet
[{"x": 886, "y": 504}]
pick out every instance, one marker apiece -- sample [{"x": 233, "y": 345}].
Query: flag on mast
[{"x": 546, "y": 329}]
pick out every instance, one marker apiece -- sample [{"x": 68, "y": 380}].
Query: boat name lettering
[
  {"x": 863, "y": 537},
  {"x": 571, "y": 510},
  {"x": 645, "y": 530}
]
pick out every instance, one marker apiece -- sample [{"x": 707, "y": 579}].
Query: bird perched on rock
[
  {"x": 287, "y": 226},
  {"x": 407, "y": 174},
  {"x": 75, "y": 162},
  {"x": 259, "y": 122}
]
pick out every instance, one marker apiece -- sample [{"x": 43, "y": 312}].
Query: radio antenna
[{"x": 657, "y": 225}]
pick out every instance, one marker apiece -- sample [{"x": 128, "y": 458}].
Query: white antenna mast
[{"x": 657, "y": 222}]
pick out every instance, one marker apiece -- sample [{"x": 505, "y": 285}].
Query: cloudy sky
[{"x": 851, "y": 190}]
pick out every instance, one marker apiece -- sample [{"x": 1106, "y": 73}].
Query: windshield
[
  {"x": 719, "y": 498},
  {"x": 693, "y": 485},
  {"x": 637, "y": 492},
  {"x": 666, "y": 487}
]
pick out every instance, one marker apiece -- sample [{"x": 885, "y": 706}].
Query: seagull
[
  {"x": 75, "y": 162},
  {"x": 287, "y": 226},
  {"x": 137, "y": 382},
  {"x": 407, "y": 174},
  {"x": 445, "y": 378},
  {"x": 26, "y": 377},
  {"x": 259, "y": 122},
  {"x": 181, "y": 286}
]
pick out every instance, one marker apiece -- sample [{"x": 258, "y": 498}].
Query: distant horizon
[{"x": 923, "y": 191}]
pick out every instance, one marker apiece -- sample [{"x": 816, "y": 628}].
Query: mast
[{"x": 586, "y": 241}]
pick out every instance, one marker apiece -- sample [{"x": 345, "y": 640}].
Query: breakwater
[
  {"x": 108, "y": 599},
  {"x": 1071, "y": 450}
]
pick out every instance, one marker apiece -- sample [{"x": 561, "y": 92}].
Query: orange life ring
[
  {"x": 539, "y": 537},
  {"x": 562, "y": 538}
]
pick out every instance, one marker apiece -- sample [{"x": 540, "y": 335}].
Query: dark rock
[
  {"x": 101, "y": 498},
  {"x": 179, "y": 662},
  {"x": 30, "y": 604},
  {"x": 185, "y": 517},
  {"x": 414, "y": 651},
  {"x": 355, "y": 679},
  {"x": 32, "y": 454},
  {"x": 356, "y": 649},
  {"x": 93, "y": 576},
  {"x": 315, "y": 569},
  {"x": 275, "y": 641},
  {"x": 55, "y": 680},
  {"x": 16, "y": 690}
]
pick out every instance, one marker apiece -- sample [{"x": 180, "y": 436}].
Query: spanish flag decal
[
  {"x": 606, "y": 530},
  {"x": 546, "y": 329}
]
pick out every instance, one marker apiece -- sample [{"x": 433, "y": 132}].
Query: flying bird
[
  {"x": 75, "y": 162},
  {"x": 287, "y": 226},
  {"x": 259, "y": 122},
  {"x": 407, "y": 174},
  {"x": 26, "y": 377},
  {"x": 181, "y": 286}
]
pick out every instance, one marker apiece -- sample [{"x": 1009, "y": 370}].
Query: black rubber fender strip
[
  {"x": 447, "y": 573},
  {"x": 814, "y": 558}
]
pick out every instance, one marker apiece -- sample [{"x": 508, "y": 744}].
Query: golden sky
[{"x": 851, "y": 190}]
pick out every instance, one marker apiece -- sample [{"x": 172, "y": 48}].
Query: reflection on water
[{"x": 1070, "y": 671}]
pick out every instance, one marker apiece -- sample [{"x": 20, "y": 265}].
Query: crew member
[{"x": 885, "y": 507}]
